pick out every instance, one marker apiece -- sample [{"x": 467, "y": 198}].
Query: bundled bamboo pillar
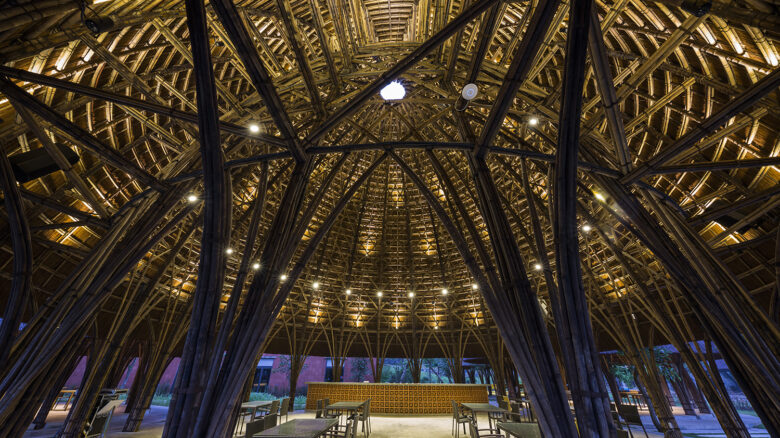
[
  {"x": 515, "y": 307},
  {"x": 64, "y": 372},
  {"x": 21, "y": 244}
]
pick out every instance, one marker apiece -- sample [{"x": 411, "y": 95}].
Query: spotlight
[
  {"x": 229, "y": 251},
  {"x": 600, "y": 197},
  {"x": 474, "y": 286},
  {"x": 393, "y": 91},
  {"x": 533, "y": 121},
  {"x": 538, "y": 266},
  {"x": 98, "y": 25},
  {"x": 192, "y": 199},
  {"x": 379, "y": 294},
  {"x": 315, "y": 285},
  {"x": 348, "y": 292},
  {"x": 586, "y": 228},
  {"x": 254, "y": 128},
  {"x": 283, "y": 277},
  {"x": 444, "y": 291},
  {"x": 256, "y": 266},
  {"x": 410, "y": 294}
]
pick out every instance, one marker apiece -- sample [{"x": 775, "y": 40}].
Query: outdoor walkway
[{"x": 434, "y": 426}]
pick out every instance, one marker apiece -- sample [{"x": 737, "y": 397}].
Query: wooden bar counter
[{"x": 398, "y": 398}]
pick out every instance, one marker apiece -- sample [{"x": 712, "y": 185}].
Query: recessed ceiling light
[
  {"x": 393, "y": 91},
  {"x": 254, "y": 128},
  {"x": 469, "y": 91}
]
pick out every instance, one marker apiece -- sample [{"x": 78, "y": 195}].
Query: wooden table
[
  {"x": 255, "y": 405},
  {"x": 300, "y": 428},
  {"x": 521, "y": 430},
  {"x": 485, "y": 408},
  {"x": 349, "y": 406}
]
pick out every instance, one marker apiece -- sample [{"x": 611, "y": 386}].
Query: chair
[
  {"x": 283, "y": 410},
  {"x": 345, "y": 431},
  {"x": 318, "y": 412},
  {"x": 458, "y": 418},
  {"x": 364, "y": 416},
  {"x": 477, "y": 433},
  {"x": 326, "y": 413},
  {"x": 630, "y": 414},
  {"x": 273, "y": 409},
  {"x": 254, "y": 427},
  {"x": 270, "y": 421}
]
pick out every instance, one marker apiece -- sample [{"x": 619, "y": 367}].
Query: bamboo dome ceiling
[{"x": 130, "y": 93}]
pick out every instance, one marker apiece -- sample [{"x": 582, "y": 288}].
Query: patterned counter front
[{"x": 398, "y": 398}]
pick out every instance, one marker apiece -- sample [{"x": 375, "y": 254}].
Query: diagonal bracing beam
[
  {"x": 517, "y": 72},
  {"x": 78, "y": 134},
  {"x": 231, "y": 20}
]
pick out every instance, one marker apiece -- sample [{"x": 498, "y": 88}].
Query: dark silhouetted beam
[
  {"x": 78, "y": 134},
  {"x": 234, "y": 26},
  {"x": 516, "y": 74}
]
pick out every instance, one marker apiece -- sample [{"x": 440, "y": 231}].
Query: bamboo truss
[{"x": 432, "y": 226}]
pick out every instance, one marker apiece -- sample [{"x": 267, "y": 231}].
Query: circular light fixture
[
  {"x": 533, "y": 121},
  {"x": 474, "y": 286},
  {"x": 256, "y": 266},
  {"x": 469, "y": 91},
  {"x": 379, "y": 294},
  {"x": 254, "y": 128},
  {"x": 393, "y": 91},
  {"x": 348, "y": 291},
  {"x": 586, "y": 228},
  {"x": 410, "y": 294},
  {"x": 538, "y": 266},
  {"x": 315, "y": 285},
  {"x": 444, "y": 291},
  {"x": 229, "y": 251},
  {"x": 192, "y": 199},
  {"x": 283, "y": 277}
]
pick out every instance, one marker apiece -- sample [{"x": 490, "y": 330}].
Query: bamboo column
[
  {"x": 198, "y": 348},
  {"x": 23, "y": 259},
  {"x": 588, "y": 391}
]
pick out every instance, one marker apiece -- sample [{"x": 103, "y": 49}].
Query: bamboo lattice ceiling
[{"x": 671, "y": 71}]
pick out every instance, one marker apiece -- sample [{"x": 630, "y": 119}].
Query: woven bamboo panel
[{"x": 398, "y": 398}]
